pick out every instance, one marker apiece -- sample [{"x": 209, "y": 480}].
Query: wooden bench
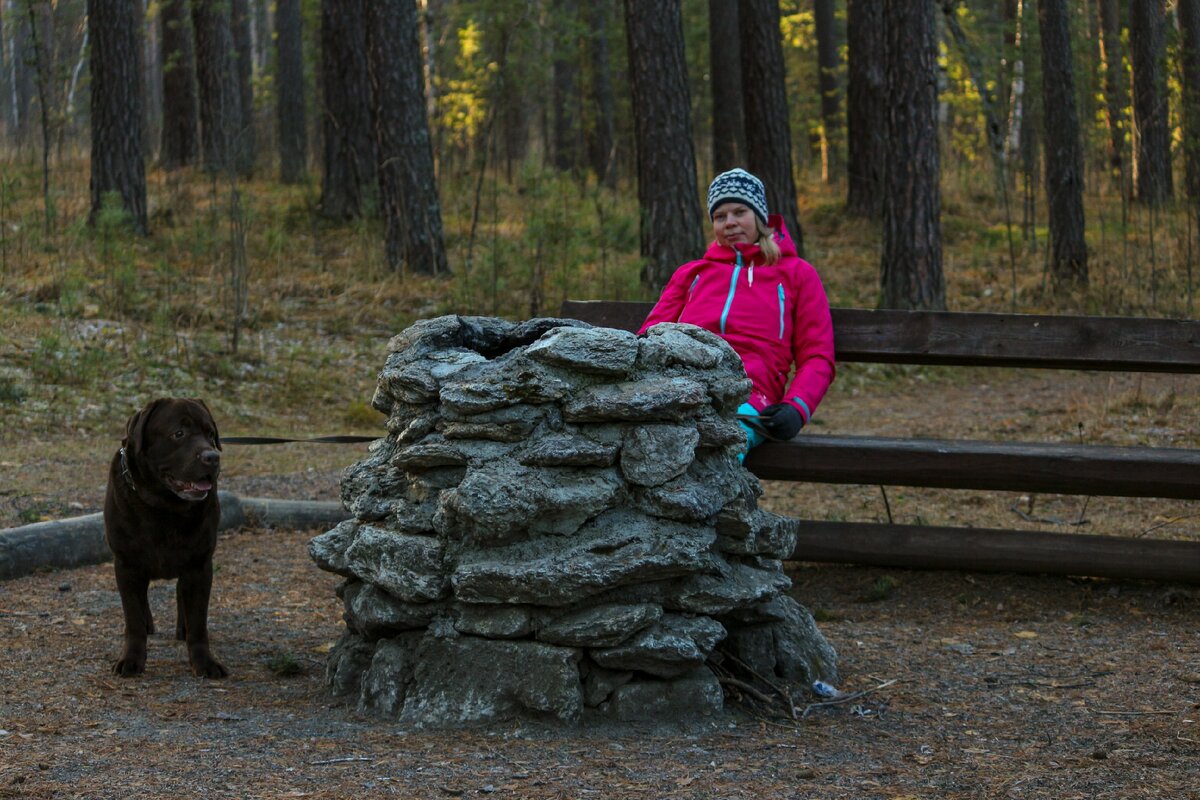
[{"x": 988, "y": 340}]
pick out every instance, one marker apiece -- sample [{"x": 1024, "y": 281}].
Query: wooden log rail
[{"x": 971, "y": 339}]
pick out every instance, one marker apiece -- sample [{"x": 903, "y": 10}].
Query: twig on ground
[
  {"x": 1049, "y": 520},
  {"x": 846, "y": 698},
  {"x": 1164, "y": 524},
  {"x": 1133, "y": 713},
  {"x": 342, "y": 760},
  {"x": 787, "y": 697},
  {"x": 745, "y": 687}
]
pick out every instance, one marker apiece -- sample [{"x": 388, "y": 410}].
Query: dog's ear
[
  {"x": 135, "y": 428},
  {"x": 212, "y": 419}
]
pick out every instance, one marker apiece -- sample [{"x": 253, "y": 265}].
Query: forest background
[{"x": 283, "y": 234}]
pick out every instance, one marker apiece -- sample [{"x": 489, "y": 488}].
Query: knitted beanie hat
[{"x": 738, "y": 185}]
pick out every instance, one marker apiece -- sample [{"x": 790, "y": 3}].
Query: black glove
[{"x": 781, "y": 421}]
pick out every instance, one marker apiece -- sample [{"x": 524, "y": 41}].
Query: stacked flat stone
[{"x": 557, "y": 527}]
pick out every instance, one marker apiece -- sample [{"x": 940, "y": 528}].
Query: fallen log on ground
[{"x": 79, "y": 541}]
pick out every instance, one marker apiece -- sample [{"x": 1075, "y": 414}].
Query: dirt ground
[{"x": 964, "y": 685}]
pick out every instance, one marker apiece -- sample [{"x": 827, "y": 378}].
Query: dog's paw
[
  {"x": 208, "y": 667},
  {"x": 127, "y": 666}
]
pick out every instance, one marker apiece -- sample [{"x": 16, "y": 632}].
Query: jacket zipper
[
  {"x": 737, "y": 269},
  {"x": 781, "y": 305}
]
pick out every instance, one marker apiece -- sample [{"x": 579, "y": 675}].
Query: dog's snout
[{"x": 210, "y": 458}]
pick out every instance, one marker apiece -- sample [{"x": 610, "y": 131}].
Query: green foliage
[
  {"x": 881, "y": 590},
  {"x": 11, "y": 390},
  {"x": 285, "y": 665}
]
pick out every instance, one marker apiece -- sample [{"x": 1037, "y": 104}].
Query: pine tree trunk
[
  {"x": 666, "y": 160},
  {"x": 1064, "y": 157},
  {"x": 216, "y": 80},
  {"x": 764, "y": 93},
  {"x": 21, "y": 61},
  {"x": 827, "y": 81},
  {"x": 289, "y": 91},
  {"x": 866, "y": 117},
  {"x": 180, "y": 129},
  {"x": 1115, "y": 101},
  {"x": 349, "y": 176},
  {"x": 117, "y": 160},
  {"x": 1152, "y": 144},
  {"x": 243, "y": 45},
  {"x": 911, "y": 269},
  {"x": 407, "y": 185},
  {"x": 566, "y": 78},
  {"x": 5, "y": 76},
  {"x": 600, "y": 133},
  {"x": 1189, "y": 29},
  {"x": 725, "y": 79}
]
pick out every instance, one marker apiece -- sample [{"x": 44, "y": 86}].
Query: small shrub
[
  {"x": 881, "y": 590},
  {"x": 285, "y": 665}
]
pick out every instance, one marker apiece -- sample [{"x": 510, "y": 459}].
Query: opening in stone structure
[{"x": 556, "y": 526}]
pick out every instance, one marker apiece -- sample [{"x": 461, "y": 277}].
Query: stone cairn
[{"x": 557, "y": 528}]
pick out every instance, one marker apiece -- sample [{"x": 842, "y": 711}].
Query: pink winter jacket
[{"x": 773, "y": 316}]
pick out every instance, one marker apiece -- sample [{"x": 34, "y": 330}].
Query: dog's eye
[{"x": 179, "y": 434}]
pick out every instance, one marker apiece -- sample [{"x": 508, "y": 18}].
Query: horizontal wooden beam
[
  {"x": 1002, "y": 466},
  {"x": 991, "y": 550},
  {"x": 1124, "y": 344}
]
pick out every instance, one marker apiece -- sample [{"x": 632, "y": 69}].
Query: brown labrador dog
[{"x": 160, "y": 518}]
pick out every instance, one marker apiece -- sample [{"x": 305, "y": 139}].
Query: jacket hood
[{"x": 725, "y": 253}]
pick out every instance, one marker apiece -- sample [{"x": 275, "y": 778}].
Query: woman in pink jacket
[{"x": 752, "y": 290}]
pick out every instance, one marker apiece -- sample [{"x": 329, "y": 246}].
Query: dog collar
[{"x": 125, "y": 473}]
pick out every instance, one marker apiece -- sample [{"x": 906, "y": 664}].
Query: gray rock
[
  {"x": 470, "y": 679},
  {"x": 414, "y": 517},
  {"x": 695, "y": 695},
  {"x": 411, "y": 382},
  {"x": 718, "y": 431},
  {"x": 415, "y": 428},
  {"x": 493, "y": 622},
  {"x": 558, "y": 520},
  {"x": 329, "y": 549},
  {"x": 598, "y": 351},
  {"x": 568, "y": 450},
  {"x": 695, "y": 496},
  {"x": 666, "y": 347},
  {"x": 599, "y": 683},
  {"x": 370, "y": 488},
  {"x": 605, "y": 625},
  {"x": 504, "y": 502},
  {"x": 347, "y": 662},
  {"x": 386, "y": 680},
  {"x": 671, "y": 647},
  {"x": 756, "y": 532},
  {"x": 373, "y": 613},
  {"x": 489, "y": 386},
  {"x": 428, "y": 454},
  {"x": 655, "y": 454},
  {"x": 646, "y": 400},
  {"x": 792, "y": 649},
  {"x": 408, "y": 567},
  {"x": 616, "y": 549},
  {"x": 740, "y": 586}
]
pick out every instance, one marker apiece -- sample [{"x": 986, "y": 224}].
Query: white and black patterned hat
[{"x": 739, "y": 185}]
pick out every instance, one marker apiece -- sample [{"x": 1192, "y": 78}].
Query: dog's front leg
[
  {"x": 192, "y": 593},
  {"x": 134, "y": 587}
]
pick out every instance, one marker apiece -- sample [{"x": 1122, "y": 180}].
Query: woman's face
[{"x": 734, "y": 223}]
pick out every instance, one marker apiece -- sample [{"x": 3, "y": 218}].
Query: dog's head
[{"x": 174, "y": 441}]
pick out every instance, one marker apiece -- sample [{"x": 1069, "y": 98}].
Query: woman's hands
[{"x": 781, "y": 421}]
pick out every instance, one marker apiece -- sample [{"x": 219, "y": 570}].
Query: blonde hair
[{"x": 766, "y": 243}]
